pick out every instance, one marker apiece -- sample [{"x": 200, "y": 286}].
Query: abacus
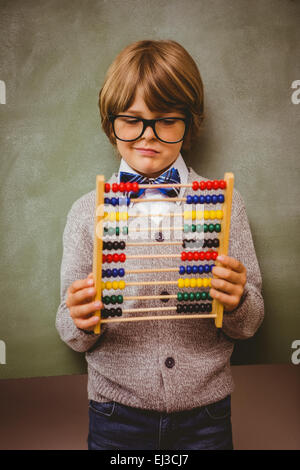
[{"x": 212, "y": 309}]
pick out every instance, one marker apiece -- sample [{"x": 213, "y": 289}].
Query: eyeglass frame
[{"x": 147, "y": 123}]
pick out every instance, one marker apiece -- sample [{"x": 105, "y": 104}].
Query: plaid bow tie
[{"x": 169, "y": 177}]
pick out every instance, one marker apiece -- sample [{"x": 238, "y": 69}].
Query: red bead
[
  {"x": 128, "y": 187},
  {"x": 208, "y": 255},
  {"x": 214, "y": 255},
  {"x": 115, "y": 187},
  {"x": 122, "y": 187},
  {"x": 196, "y": 255},
  {"x": 202, "y": 255},
  {"x": 195, "y": 185},
  {"x": 222, "y": 184},
  {"x": 202, "y": 185},
  {"x": 115, "y": 257},
  {"x": 135, "y": 187},
  {"x": 216, "y": 184},
  {"x": 183, "y": 256},
  {"x": 107, "y": 187},
  {"x": 103, "y": 259},
  {"x": 209, "y": 184},
  {"x": 122, "y": 257},
  {"x": 109, "y": 258},
  {"x": 190, "y": 256}
]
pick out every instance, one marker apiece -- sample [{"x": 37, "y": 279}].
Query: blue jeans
[{"x": 113, "y": 426}]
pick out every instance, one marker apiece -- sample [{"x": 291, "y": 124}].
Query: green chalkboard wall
[{"x": 53, "y": 58}]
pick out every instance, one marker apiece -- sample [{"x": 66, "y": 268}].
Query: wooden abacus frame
[{"x": 217, "y": 307}]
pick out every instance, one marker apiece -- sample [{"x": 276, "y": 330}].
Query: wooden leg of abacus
[
  {"x": 98, "y": 244},
  {"x": 217, "y": 307}
]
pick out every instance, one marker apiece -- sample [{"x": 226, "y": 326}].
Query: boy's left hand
[{"x": 229, "y": 287}]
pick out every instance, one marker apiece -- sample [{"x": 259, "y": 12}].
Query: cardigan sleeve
[
  {"x": 76, "y": 264},
  {"x": 246, "y": 318}
]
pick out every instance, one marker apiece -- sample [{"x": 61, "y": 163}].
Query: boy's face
[{"x": 151, "y": 164}]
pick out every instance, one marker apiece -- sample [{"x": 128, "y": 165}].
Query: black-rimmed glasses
[{"x": 170, "y": 130}]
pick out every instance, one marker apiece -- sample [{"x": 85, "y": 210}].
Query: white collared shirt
[{"x": 159, "y": 207}]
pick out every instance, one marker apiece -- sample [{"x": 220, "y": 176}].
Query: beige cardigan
[{"x": 166, "y": 365}]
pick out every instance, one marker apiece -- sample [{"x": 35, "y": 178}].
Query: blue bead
[
  {"x": 202, "y": 199},
  {"x": 121, "y": 272},
  {"x": 189, "y": 199},
  {"x": 212, "y": 266},
  {"x": 114, "y": 201},
  {"x": 181, "y": 270},
  {"x": 115, "y": 272},
  {"x": 221, "y": 198},
  {"x": 207, "y": 268},
  {"x": 214, "y": 199},
  {"x": 208, "y": 199},
  {"x": 103, "y": 272},
  {"x": 128, "y": 201},
  {"x": 195, "y": 199},
  {"x": 200, "y": 269},
  {"x": 188, "y": 269},
  {"x": 106, "y": 200},
  {"x": 194, "y": 269},
  {"x": 108, "y": 273}
]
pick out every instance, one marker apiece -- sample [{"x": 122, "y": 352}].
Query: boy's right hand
[{"x": 79, "y": 296}]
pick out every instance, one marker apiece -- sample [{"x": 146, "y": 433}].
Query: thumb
[{"x": 90, "y": 275}]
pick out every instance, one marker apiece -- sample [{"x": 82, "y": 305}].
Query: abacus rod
[
  {"x": 159, "y": 317},
  {"x": 158, "y": 270},
  {"x": 147, "y": 229},
  {"x": 152, "y": 243}
]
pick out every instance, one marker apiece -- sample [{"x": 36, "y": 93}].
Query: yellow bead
[
  {"x": 205, "y": 282},
  {"x": 199, "y": 282},
  {"x": 186, "y": 282},
  {"x": 209, "y": 282},
  {"x": 121, "y": 284},
  {"x": 212, "y": 214},
  {"x": 193, "y": 282},
  {"x": 124, "y": 216},
  {"x": 180, "y": 283},
  {"x": 108, "y": 285},
  {"x": 199, "y": 215},
  {"x": 117, "y": 216},
  {"x": 102, "y": 285},
  {"x": 187, "y": 214},
  {"x": 219, "y": 214},
  {"x": 206, "y": 214},
  {"x": 193, "y": 215},
  {"x": 115, "y": 285},
  {"x": 105, "y": 215},
  {"x": 111, "y": 216}
]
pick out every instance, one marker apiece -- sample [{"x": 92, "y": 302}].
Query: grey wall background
[{"x": 53, "y": 58}]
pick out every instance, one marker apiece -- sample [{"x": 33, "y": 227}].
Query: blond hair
[{"x": 169, "y": 79}]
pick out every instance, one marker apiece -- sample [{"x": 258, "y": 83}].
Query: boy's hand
[
  {"x": 229, "y": 287},
  {"x": 80, "y": 294}
]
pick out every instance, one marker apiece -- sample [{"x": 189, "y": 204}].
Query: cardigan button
[{"x": 169, "y": 362}]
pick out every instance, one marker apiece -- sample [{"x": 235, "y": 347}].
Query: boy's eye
[{"x": 168, "y": 122}]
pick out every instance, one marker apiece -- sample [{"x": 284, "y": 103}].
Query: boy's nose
[{"x": 149, "y": 133}]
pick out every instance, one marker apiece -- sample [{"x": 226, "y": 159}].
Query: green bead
[
  {"x": 180, "y": 296},
  {"x": 120, "y": 299},
  {"x": 117, "y": 230},
  {"x": 111, "y": 231},
  {"x": 106, "y": 299},
  {"x": 218, "y": 228},
  {"x": 193, "y": 228},
  {"x": 205, "y": 228},
  {"x": 209, "y": 297},
  {"x": 199, "y": 228},
  {"x": 198, "y": 295},
  {"x": 211, "y": 228},
  {"x": 186, "y": 228},
  {"x": 125, "y": 230},
  {"x": 113, "y": 299},
  {"x": 204, "y": 295},
  {"x": 105, "y": 229},
  {"x": 192, "y": 296}
]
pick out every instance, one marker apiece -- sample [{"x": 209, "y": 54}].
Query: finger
[
  {"x": 232, "y": 263},
  {"x": 82, "y": 296},
  {"x": 229, "y": 301},
  {"x": 79, "y": 284},
  {"x": 227, "y": 274},
  {"x": 85, "y": 310},
  {"x": 88, "y": 324},
  {"x": 227, "y": 287}
]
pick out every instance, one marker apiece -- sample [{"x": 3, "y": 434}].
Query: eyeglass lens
[{"x": 169, "y": 130}]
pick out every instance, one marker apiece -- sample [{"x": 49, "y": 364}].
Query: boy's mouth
[{"x": 146, "y": 151}]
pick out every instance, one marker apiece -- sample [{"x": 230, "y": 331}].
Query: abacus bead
[
  {"x": 202, "y": 308},
  {"x": 108, "y": 285},
  {"x": 115, "y": 272},
  {"x": 193, "y": 282},
  {"x": 113, "y": 299},
  {"x": 189, "y": 200},
  {"x": 195, "y": 185},
  {"x": 205, "y": 282},
  {"x": 221, "y": 198},
  {"x": 185, "y": 308},
  {"x": 208, "y": 199},
  {"x": 216, "y": 242},
  {"x": 193, "y": 227},
  {"x": 115, "y": 285},
  {"x": 203, "y": 295},
  {"x": 209, "y": 297},
  {"x": 122, "y": 257},
  {"x": 109, "y": 258},
  {"x": 192, "y": 296},
  {"x": 111, "y": 231},
  {"x": 215, "y": 199},
  {"x": 214, "y": 255},
  {"x": 106, "y": 299},
  {"x": 195, "y": 200},
  {"x": 125, "y": 230},
  {"x": 196, "y": 256},
  {"x": 181, "y": 270},
  {"x": 122, "y": 187},
  {"x": 198, "y": 295},
  {"x": 104, "y": 273},
  {"x": 122, "y": 245},
  {"x": 128, "y": 187},
  {"x": 117, "y": 231},
  {"x": 207, "y": 268},
  {"x": 127, "y": 201},
  {"x": 190, "y": 308},
  {"x": 135, "y": 187},
  {"x": 180, "y": 283},
  {"x": 107, "y": 187},
  {"x": 114, "y": 245},
  {"x": 179, "y": 308},
  {"x": 199, "y": 282},
  {"x": 196, "y": 308},
  {"x": 107, "y": 246},
  {"x": 114, "y": 201},
  {"x": 115, "y": 258},
  {"x": 200, "y": 269},
  {"x": 199, "y": 228},
  {"x": 209, "y": 185},
  {"x": 106, "y": 200},
  {"x": 218, "y": 228},
  {"x": 186, "y": 296},
  {"x": 118, "y": 312},
  {"x": 222, "y": 184},
  {"x": 188, "y": 269},
  {"x": 179, "y": 296},
  {"x": 202, "y": 185},
  {"x": 121, "y": 272},
  {"x": 194, "y": 269},
  {"x": 202, "y": 199},
  {"x": 183, "y": 256},
  {"x": 121, "y": 284},
  {"x": 219, "y": 214},
  {"x": 187, "y": 282},
  {"x": 115, "y": 187},
  {"x": 209, "y": 308},
  {"x": 190, "y": 256},
  {"x": 186, "y": 228},
  {"x": 215, "y": 184},
  {"x": 208, "y": 255},
  {"x": 120, "y": 299},
  {"x": 108, "y": 273}
]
